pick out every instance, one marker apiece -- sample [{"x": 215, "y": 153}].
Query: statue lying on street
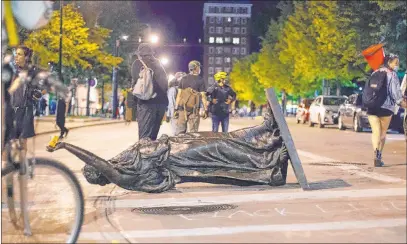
[{"x": 255, "y": 155}]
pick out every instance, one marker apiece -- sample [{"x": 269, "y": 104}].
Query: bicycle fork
[{"x": 23, "y": 177}]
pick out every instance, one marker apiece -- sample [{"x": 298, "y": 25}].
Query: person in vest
[
  {"x": 150, "y": 112},
  {"x": 379, "y": 118},
  {"x": 191, "y": 90},
  {"x": 172, "y": 96},
  {"x": 220, "y": 97}
]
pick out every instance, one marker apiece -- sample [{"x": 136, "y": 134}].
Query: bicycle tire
[{"x": 76, "y": 187}]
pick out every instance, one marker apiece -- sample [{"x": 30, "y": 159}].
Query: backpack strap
[{"x": 141, "y": 60}]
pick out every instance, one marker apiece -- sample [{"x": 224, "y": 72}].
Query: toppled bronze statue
[{"x": 255, "y": 155}]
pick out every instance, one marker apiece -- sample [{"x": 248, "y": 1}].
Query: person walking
[
  {"x": 220, "y": 97},
  {"x": 172, "y": 96},
  {"x": 380, "y": 116},
  {"x": 150, "y": 112},
  {"x": 60, "y": 117},
  {"x": 191, "y": 92}
]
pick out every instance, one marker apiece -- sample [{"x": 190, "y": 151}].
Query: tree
[
  {"x": 78, "y": 51},
  {"x": 245, "y": 83}
]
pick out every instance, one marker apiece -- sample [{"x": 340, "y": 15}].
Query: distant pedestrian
[
  {"x": 252, "y": 111},
  {"x": 172, "y": 96},
  {"x": 150, "y": 112},
  {"x": 382, "y": 97},
  {"x": 191, "y": 92},
  {"x": 61, "y": 112},
  {"x": 220, "y": 97}
]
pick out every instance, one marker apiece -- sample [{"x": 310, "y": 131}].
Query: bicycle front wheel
[{"x": 55, "y": 205}]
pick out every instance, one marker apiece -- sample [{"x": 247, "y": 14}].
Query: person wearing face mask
[
  {"x": 191, "y": 92},
  {"x": 380, "y": 117},
  {"x": 220, "y": 97}
]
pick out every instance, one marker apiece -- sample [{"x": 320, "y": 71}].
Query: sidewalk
[{"x": 46, "y": 124}]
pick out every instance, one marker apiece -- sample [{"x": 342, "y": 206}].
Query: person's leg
[
  {"x": 384, "y": 125},
  {"x": 159, "y": 114},
  {"x": 193, "y": 122},
  {"x": 376, "y": 131},
  {"x": 145, "y": 118},
  {"x": 215, "y": 123},
  {"x": 225, "y": 124},
  {"x": 181, "y": 123}
]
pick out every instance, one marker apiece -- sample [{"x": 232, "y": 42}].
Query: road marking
[
  {"x": 352, "y": 168},
  {"x": 214, "y": 231}
]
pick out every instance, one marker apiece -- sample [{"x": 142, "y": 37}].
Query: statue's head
[{"x": 93, "y": 176}]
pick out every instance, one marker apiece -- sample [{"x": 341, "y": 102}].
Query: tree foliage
[{"x": 78, "y": 50}]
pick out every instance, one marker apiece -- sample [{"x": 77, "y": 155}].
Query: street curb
[{"x": 82, "y": 126}]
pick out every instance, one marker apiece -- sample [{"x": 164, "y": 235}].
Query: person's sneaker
[{"x": 378, "y": 159}]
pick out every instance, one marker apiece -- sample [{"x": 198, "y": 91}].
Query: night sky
[{"x": 175, "y": 20}]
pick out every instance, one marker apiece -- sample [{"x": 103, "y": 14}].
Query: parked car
[
  {"x": 324, "y": 110},
  {"x": 353, "y": 115},
  {"x": 303, "y": 110}
]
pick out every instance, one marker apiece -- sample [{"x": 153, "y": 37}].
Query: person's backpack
[
  {"x": 189, "y": 100},
  {"x": 375, "y": 92},
  {"x": 144, "y": 88}
]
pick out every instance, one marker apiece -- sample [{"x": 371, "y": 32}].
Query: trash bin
[{"x": 374, "y": 55}]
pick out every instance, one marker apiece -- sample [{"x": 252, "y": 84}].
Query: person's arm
[
  {"x": 403, "y": 86},
  {"x": 395, "y": 91}
]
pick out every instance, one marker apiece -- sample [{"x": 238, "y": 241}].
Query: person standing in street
[
  {"x": 220, "y": 97},
  {"x": 150, "y": 112},
  {"x": 380, "y": 117},
  {"x": 172, "y": 96},
  {"x": 60, "y": 117},
  {"x": 191, "y": 92}
]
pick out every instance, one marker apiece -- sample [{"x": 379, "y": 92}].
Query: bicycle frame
[{"x": 21, "y": 163}]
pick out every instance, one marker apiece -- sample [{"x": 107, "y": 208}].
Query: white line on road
[
  {"x": 352, "y": 168},
  {"x": 230, "y": 199},
  {"x": 213, "y": 231}
]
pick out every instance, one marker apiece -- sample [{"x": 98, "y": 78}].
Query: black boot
[
  {"x": 66, "y": 132},
  {"x": 378, "y": 159}
]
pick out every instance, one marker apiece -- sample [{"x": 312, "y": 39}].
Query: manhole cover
[
  {"x": 184, "y": 209},
  {"x": 335, "y": 163}
]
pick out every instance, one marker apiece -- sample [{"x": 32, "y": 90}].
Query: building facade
[{"x": 226, "y": 36}]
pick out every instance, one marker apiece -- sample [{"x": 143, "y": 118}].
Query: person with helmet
[
  {"x": 191, "y": 93},
  {"x": 220, "y": 97},
  {"x": 172, "y": 96}
]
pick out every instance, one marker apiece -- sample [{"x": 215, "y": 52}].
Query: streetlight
[
  {"x": 154, "y": 38},
  {"x": 164, "y": 61}
]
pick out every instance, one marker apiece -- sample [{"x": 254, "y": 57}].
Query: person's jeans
[
  {"x": 223, "y": 120},
  {"x": 149, "y": 117}
]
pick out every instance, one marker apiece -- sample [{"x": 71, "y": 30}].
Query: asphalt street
[{"x": 350, "y": 200}]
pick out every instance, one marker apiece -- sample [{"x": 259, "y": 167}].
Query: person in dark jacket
[
  {"x": 150, "y": 112},
  {"x": 60, "y": 118},
  {"x": 220, "y": 97}
]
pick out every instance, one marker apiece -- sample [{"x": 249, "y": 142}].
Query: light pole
[{"x": 114, "y": 76}]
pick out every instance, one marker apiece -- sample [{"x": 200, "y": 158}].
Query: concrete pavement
[{"x": 351, "y": 201}]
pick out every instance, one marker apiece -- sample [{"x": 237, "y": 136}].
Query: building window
[
  {"x": 234, "y": 10},
  {"x": 243, "y": 51},
  {"x": 244, "y": 30},
  {"x": 244, "y": 21},
  {"x": 211, "y": 39},
  {"x": 228, "y": 9},
  {"x": 211, "y": 80},
  {"x": 211, "y": 9},
  {"x": 210, "y": 70},
  {"x": 219, "y": 50},
  {"x": 235, "y": 59},
  {"x": 227, "y": 60},
  {"x": 217, "y": 9},
  {"x": 218, "y": 60},
  {"x": 219, "y": 39},
  {"x": 236, "y": 20},
  {"x": 211, "y": 50},
  {"x": 228, "y": 39},
  {"x": 226, "y": 49},
  {"x": 210, "y": 60},
  {"x": 236, "y": 40},
  {"x": 229, "y": 19},
  {"x": 228, "y": 29},
  {"x": 219, "y": 30},
  {"x": 218, "y": 69},
  {"x": 236, "y": 30},
  {"x": 211, "y": 30},
  {"x": 227, "y": 70},
  {"x": 244, "y": 40},
  {"x": 244, "y": 11},
  {"x": 211, "y": 20},
  {"x": 218, "y": 20},
  {"x": 235, "y": 51}
]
